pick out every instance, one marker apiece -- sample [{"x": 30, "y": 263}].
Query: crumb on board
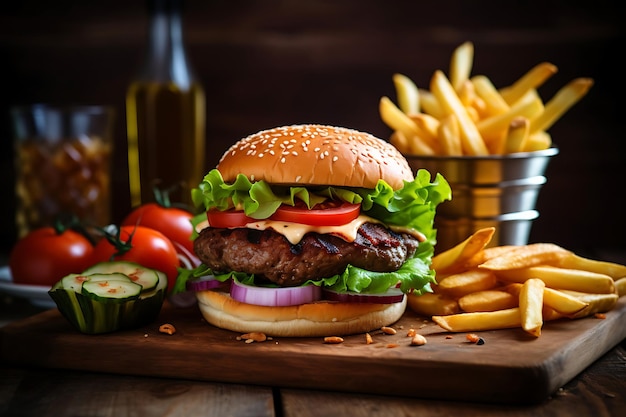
[
  {"x": 167, "y": 328},
  {"x": 333, "y": 340},
  {"x": 253, "y": 337},
  {"x": 474, "y": 338}
]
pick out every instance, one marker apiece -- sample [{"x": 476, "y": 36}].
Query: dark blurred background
[{"x": 266, "y": 63}]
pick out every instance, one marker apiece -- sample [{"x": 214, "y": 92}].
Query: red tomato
[
  {"x": 146, "y": 246},
  {"x": 327, "y": 214},
  {"x": 44, "y": 256},
  {"x": 228, "y": 218},
  {"x": 174, "y": 223}
]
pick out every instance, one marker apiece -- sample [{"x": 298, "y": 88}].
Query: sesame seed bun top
[{"x": 311, "y": 154}]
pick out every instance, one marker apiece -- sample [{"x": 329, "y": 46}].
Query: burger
[{"x": 312, "y": 230}]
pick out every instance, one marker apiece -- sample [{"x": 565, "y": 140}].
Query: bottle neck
[{"x": 167, "y": 59}]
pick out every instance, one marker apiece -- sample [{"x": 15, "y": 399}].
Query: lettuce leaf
[{"x": 413, "y": 206}]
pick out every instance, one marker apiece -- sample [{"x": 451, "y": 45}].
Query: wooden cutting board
[{"x": 510, "y": 367}]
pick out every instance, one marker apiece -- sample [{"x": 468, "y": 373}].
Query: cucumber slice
[
  {"x": 115, "y": 287},
  {"x": 146, "y": 277},
  {"x": 161, "y": 286},
  {"x": 75, "y": 282}
]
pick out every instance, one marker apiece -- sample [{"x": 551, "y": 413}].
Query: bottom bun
[{"x": 323, "y": 318}]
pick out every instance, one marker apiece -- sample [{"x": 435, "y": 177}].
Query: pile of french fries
[
  {"x": 467, "y": 115},
  {"x": 486, "y": 288}
]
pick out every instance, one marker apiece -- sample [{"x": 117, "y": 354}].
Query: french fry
[
  {"x": 472, "y": 141},
  {"x": 455, "y": 258},
  {"x": 534, "y": 78},
  {"x": 428, "y": 126},
  {"x": 517, "y": 136},
  {"x": 467, "y": 94},
  {"x": 550, "y": 314},
  {"x": 426, "y": 123},
  {"x": 525, "y": 256},
  {"x": 396, "y": 119},
  {"x": 489, "y": 253},
  {"x": 538, "y": 141},
  {"x": 598, "y": 303},
  {"x": 429, "y": 104},
  {"x": 620, "y": 287},
  {"x": 400, "y": 141},
  {"x": 415, "y": 145},
  {"x": 488, "y": 300},
  {"x": 573, "y": 261},
  {"x": 561, "y": 302},
  {"x": 430, "y": 304},
  {"x": 448, "y": 133},
  {"x": 472, "y": 113},
  {"x": 461, "y": 64},
  {"x": 480, "y": 321},
  {"x": 407, "y": 94},
  {"x": 531, "y": 306},
  {"x": 458, "y": 285},
  {"x": 494, "y": 102},
  {"x": 563, "y": 279},
  {"x": 480, "y": 106},
  {"x": 528, "y": 106},
  {"x": 562, "y": 101},
  {"x": 486, "y": 254},
  {"x": 513, "y": 288}
]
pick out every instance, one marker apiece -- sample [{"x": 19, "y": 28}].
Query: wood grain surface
[{"x": 511, "y": 367}]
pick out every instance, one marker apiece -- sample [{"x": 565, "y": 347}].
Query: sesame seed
[
  {"x": 335, "y": 158},
  {"x": 282, "y": 160},
  {"x": 298, "y": 178}
]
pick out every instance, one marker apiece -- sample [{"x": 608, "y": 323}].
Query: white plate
[{"x": 36, "y": 294}]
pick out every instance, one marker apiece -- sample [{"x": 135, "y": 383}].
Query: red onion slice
[
  {"x": 274, "y": 297},
  {"x": 187, "y": 259},
  {"x": 393, "y": 295},
  {"x": 205, "y": 283}
]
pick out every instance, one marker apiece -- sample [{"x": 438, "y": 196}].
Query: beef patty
[{"x": 269, "y": 255}]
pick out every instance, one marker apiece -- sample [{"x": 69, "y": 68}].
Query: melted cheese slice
[{"x": 294, "y": 232}]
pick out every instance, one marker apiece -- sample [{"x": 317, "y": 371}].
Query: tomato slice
[
  {"x": 326, "y": 214},
  {"x": 228, "y": 219}
]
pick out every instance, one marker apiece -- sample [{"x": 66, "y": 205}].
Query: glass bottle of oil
[{"x": 165, "y": 111}]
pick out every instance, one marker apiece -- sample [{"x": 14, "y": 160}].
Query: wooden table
[{"x": 31, "y": 391}]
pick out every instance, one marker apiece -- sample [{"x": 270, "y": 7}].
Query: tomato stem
[
  {"x": 116, "y": 241},
  {"x": 63, "y": 223},
  {"x": 162, "y": 196}
]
